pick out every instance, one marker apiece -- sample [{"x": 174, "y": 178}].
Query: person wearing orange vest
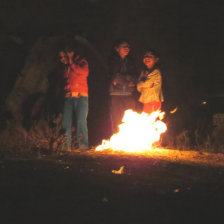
[{"x": 76, "y": 100}]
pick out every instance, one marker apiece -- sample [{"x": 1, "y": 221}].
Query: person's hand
[
  {"x": 70, "y": 54},
  {"x": 70, "y": 57}
]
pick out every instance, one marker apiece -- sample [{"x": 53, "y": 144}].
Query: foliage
[
  {"x": 43, "y": 135},
  {"x": 213, "y": 142},
  {"x": 48, "y": 135}
]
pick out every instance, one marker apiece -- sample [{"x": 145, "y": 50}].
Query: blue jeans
[{"x": 76, "y": 108}]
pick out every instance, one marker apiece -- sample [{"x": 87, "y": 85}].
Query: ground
[{"x": 85, "y": 187}]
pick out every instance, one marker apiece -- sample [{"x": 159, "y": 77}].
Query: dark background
[{"x": 187, "y": 34}]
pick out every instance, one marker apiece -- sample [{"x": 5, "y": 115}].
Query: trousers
[
  {"x": 75, "y": 110},
  {"x": 118, "y": 105},
  {"x": 151, "y": 107}
]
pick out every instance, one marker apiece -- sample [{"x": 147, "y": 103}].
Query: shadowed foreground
[{"x": 81, "y": 188}]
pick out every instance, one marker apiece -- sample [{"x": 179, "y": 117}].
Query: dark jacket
[{"x": 122, "y": 75}]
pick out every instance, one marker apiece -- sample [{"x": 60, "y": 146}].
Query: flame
[
  {"x": 137, "y": 132},
  {"x": 174, "y": 110}
]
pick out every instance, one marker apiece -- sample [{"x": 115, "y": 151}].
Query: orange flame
[
  {"x": 174, "y": 110},
  {"x": 137, "y": 132}
]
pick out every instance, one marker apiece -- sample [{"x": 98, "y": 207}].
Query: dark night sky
[{"x": 187, "y": 34}]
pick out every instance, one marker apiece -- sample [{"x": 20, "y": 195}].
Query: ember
[{"x": 137, "y": 132}]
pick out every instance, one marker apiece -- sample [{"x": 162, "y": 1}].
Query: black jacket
[{"x": 122, "y": 75}]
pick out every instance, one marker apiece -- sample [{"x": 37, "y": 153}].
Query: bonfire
[{"x": 138, "y": 133}]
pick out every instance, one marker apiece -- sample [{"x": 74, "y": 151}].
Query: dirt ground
[{"x": 168, "y": 186}]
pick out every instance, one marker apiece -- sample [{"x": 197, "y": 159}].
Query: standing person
[
  {"x": 150, "y": 83},
  {"x": 122, "y": 72},
  {"x": 76, "y": 100}
]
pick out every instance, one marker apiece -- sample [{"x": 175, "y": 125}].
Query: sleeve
[
  {"x": 153, "y": 82},
  {"x": 113, "y": 66},
  {"x": 132, "y": 69}
]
